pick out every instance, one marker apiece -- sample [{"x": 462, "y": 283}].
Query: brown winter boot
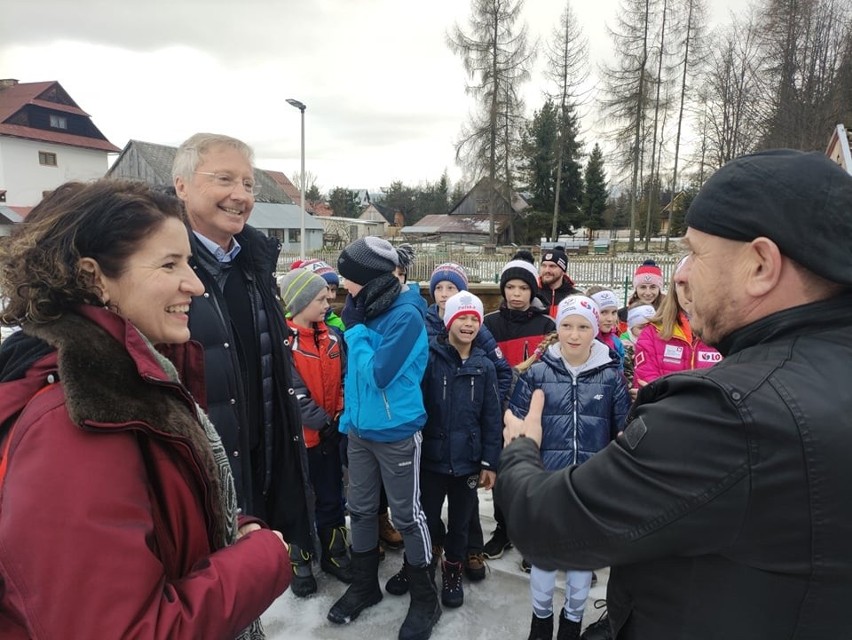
[{"x": 390, "y": 537}]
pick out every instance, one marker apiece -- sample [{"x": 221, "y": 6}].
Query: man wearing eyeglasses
[{"x": 241, "y": 326}]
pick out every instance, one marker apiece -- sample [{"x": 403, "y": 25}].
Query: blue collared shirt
[{"x": 220, "y": 254}]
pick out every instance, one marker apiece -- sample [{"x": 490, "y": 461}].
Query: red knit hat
[{"x": 648, "y": 273}]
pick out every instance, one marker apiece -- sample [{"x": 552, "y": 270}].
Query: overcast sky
[{"x": 385, "y": 96}]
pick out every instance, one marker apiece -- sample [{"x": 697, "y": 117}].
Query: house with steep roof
[
  {"x": 469, "y": 219},
  {"x": 839, "y": 147},
  {"x": 274, "y": 213},
  {"x": 46, "y": 139}
]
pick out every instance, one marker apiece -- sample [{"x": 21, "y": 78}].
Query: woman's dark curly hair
[{"x": 106, "y": 220}]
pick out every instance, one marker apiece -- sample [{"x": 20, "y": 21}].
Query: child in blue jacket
[
  {"x": 383, "y": 415},
  {"x": 586, "y": 404}
]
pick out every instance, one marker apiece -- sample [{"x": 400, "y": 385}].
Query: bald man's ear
[{"x": 764, "y": 266}]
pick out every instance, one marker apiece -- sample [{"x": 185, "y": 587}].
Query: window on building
[
  {"x": 47, "y": 159},
  {"x": 294, "y": 235},
  {"x": 2, "y": 195},
  {"x": 58, "y": 122}
]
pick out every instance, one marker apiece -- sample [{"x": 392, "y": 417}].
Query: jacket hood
[
  {"x": 18, "y": 353},
  {"x": 411, "y": 295},
  {"x": 599, "y": 358}
]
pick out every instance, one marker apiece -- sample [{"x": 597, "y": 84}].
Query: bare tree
[
  {"x": 733, "y": 90},
  {"x": 804, "y": 43},
  {"x": 692, "y": 45},
  {"x": 567, "y": 68},
  {"x": 625, "y": 100},
  {"x": 497, "y": 59}
]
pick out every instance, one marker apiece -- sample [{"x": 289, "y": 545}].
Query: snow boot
[
  {"x": 541, "y": 628},
  {"x": 568, "y": 629},
  {"x": 498, "y": 543},
  {"x": 303, "y": 583},
  {"x": 474, "y": 567},
  {"x": 335, "y": 553},
  {"x": 390, "y": 537},
  {"x": 397, "y": 584},
  {"x": 363, "y": 592},
  {"x": 424, "y": 610},
  {"x": 452, "y": 591}
]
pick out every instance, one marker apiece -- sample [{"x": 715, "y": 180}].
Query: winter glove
[{"x": 354, "y": 311}]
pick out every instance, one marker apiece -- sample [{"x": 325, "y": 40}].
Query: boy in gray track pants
[{"x": 383, "y": 415}]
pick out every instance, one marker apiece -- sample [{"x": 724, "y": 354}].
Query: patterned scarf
[{"x": 228, "y": 494}]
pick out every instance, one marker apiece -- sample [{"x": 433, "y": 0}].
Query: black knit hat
[
  {"x": 366, "y": 259},
  {"x": 519, "y": 270},
  {"x": 557, "y": 256},
  {"x": 800, "y": 201}
]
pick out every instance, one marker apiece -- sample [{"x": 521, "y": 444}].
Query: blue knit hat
[{"x": 451, "y": 272}]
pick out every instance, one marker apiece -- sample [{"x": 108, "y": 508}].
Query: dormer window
[{"x": 58, "y": 122}]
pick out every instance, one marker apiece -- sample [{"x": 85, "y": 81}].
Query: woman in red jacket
[
  {"x": 118, "y": 515},
  {"x": 667, "y": 344}
]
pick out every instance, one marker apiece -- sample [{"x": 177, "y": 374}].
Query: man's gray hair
[{"x": 188, "y": 155}]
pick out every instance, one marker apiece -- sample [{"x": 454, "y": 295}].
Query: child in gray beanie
[
  {"x": 383, "y": 416},
  {"x": 298, "y": 288}
]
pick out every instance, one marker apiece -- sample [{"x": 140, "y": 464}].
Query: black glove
[
  {"x": 354, "y": 311},
  {"x": 329, "y": 431}
]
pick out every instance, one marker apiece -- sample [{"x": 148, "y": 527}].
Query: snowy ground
[{"x": 496, "y": 608}]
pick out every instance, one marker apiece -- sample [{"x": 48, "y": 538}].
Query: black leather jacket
[{"x": 725, "y": 507}]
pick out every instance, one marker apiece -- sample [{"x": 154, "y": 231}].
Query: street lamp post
[{"x": 301, "y": 107}]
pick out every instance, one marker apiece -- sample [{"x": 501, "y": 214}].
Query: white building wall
[{"x": 24, "y": 179}]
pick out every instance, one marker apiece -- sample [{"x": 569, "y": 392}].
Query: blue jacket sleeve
[
  {"x": 485, "y": 341},
  {"x": 519, "y": 403},
  {"x": 491, "y": 422},
  {"x": 620, "y": 405}
]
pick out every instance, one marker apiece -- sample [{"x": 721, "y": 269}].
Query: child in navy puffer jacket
[
  {"x": 462, "y": 436},
  {"x": 586, "y": 404}
]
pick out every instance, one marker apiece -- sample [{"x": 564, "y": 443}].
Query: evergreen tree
[
  {"x": 497, "y": 58},
  {"x": 343, "y": 202},
  {"x": 596, "y": 193}
]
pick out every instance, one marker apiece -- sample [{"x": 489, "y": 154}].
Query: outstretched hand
[{"x": 529, "y": 427}]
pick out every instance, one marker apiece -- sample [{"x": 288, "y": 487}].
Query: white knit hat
[
  {"x": 580, "y": 306},
  {"x": 639, "y": 314},
  {"x": 462, "y": 303},
  {"x": 606, "y": 299}
]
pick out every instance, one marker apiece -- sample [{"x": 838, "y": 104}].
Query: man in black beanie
[
  {"x": 723, "y": 507},
  {"x": 383, "y": 415},
  {"x": 555, "y": 283}
]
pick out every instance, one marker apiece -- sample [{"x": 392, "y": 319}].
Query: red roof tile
[{"x": 55, "y": 137}]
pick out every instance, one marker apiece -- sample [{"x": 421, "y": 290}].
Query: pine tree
[{"x": 596, "y": 194}]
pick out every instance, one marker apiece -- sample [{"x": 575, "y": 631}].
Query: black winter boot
[
  {"x": 541, "y": 628},
  {"x": 452, "y": 592},
  {"x": 568, "y": 629},
  {"x": 303, "y": 583},
  {"x": 498, "y": 543},
  {"x": 424, "y": 610},
  {"x": 335, "y": 553},
  {"x": 397, "y": 584},
  {"x": 363, "y": 592}
]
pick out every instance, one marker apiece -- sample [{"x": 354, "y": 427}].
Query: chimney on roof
[{"x": 7, "y": 82}]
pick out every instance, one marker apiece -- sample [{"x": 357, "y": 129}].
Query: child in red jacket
[{"x": 318, "y": 381}]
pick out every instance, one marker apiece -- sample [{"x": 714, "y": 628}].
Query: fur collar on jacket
[{"x": 103, "y": 385}]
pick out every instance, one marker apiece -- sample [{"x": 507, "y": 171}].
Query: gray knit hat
[
  {"x": 298, "y": 289},
  {"x": 366, "y": 259}
]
